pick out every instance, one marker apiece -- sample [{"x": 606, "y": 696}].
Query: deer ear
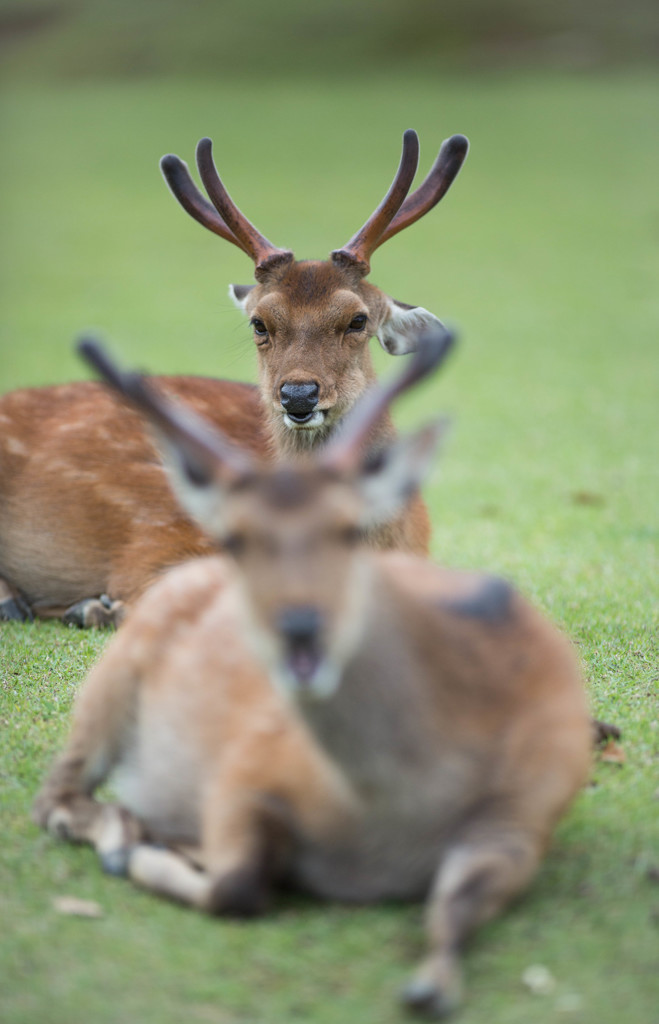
[
  {"x": 239, "y": 293},
  {"x": 398, "y": 471},
  {"x": 195, "y": 478},
  {"x": 399, "y": 332}
]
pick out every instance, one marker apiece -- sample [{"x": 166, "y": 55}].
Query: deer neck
[{"x": 376, "y": 725}]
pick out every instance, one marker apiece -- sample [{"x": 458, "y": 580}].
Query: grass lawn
[{"x": 545, "y": 255}]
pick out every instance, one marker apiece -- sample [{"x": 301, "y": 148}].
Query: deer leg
[
  {"x": 245, "y": 832},
  {"x": 109, "y": 828},
  {"x": 477, "y": 878},
  {"x": 169, "y": 873},
  {"x": 65, "y": 805},
  {"x": 69, "y": 813},
  {"x": 243, "y": 846},
  {"x": 12, "y": 606},
  {"x": 97, "y": 612}
]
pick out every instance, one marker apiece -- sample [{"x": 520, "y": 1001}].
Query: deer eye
[
  {"x": 259, "y": 327},
  {"x": 358, "y": 323}
]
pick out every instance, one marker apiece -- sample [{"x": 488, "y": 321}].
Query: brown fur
[
  {"x": 85, "y": 507},
  {"x": 439, "y": 766}
]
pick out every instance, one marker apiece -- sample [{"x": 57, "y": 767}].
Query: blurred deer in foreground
[
  {"x": 306, "y": 711},
  {"x": 85, "y": 509}
]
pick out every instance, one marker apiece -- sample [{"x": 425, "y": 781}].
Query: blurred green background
[
  {"x": 544, "y": 254},
  {"x": 74, "y": 38}
]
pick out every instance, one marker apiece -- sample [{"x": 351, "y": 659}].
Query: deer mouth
[
  {"x": 309, "y": 676},
  {"x": 307, "y": 421},
  {"x": 302, "y": 664}
]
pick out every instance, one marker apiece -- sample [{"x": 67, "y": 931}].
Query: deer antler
[
  {"x": 223, "y": 217},
  {"x": 396, "y": 212},
  {"x": 449, "y": 160},
  {"x": 201, "y": 443},
  {"x": 177, "y": 176},
  {"x": 361, "y": 246},
  {"x": 432, "y": 350},
  {"x": 251, "y": 241}
]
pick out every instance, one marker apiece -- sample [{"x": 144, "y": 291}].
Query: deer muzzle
[
  {"x": 304, "y": 658},
  {"x": 299, "y": 401}
]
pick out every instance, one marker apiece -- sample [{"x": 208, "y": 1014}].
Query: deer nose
[
  {"x": 299, "y": 400},
  {"x": 300, "y": 625}
]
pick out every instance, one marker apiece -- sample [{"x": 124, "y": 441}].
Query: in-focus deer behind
[
  {"x": 84, "y": 507},
  {"x": 307, "y": 711}
]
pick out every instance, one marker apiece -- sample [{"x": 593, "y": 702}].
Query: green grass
[{"x": 545, "y": 255}]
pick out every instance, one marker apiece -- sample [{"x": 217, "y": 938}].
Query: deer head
[
  {"x": 293, "y": 531},
  {"x": 312, "y": 319}
]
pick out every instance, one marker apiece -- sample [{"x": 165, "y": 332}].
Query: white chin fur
[
  {"x": 322, "y": 685},
  {"x": 316, "y": 421}
]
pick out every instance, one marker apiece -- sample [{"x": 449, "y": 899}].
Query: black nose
[
  {"x": 300, "y": 625},
  {"x": 299, "y": 400}
]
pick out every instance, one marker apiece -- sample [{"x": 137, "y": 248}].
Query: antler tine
[
  {"x": 172, "y": 420},
  {"x": 449, "y": 160},
  {"x": 176, "y": 174},
  {"x": 251, "y": 241},
  {"x": 360, "y": 247},
  {"x": 432, "y": 350}
]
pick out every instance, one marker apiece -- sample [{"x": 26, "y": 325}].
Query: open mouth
[
  {"x": 309, "y": 676},
  {"x": 302, "y": 665},
  {"x": 309, "y": 421}
]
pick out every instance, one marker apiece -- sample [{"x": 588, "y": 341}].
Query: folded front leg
[
  {"x": 110, "y": 829},
  {"x": 244, "y": 843}
]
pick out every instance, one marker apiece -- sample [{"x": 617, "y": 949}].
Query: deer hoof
[
  {"x": 435, "y": 991},
  {"x": 94, "y": 612},
  {"x": 115, "y": 862},
  {"x": 427, "y": 1001},
  {"x": 604, "y": 731},
  {"x": 14, "y": 609}
]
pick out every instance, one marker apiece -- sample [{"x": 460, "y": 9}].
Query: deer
[
  {"x": 87, "y": 520},
  {"x": 303, "y": 710}
]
